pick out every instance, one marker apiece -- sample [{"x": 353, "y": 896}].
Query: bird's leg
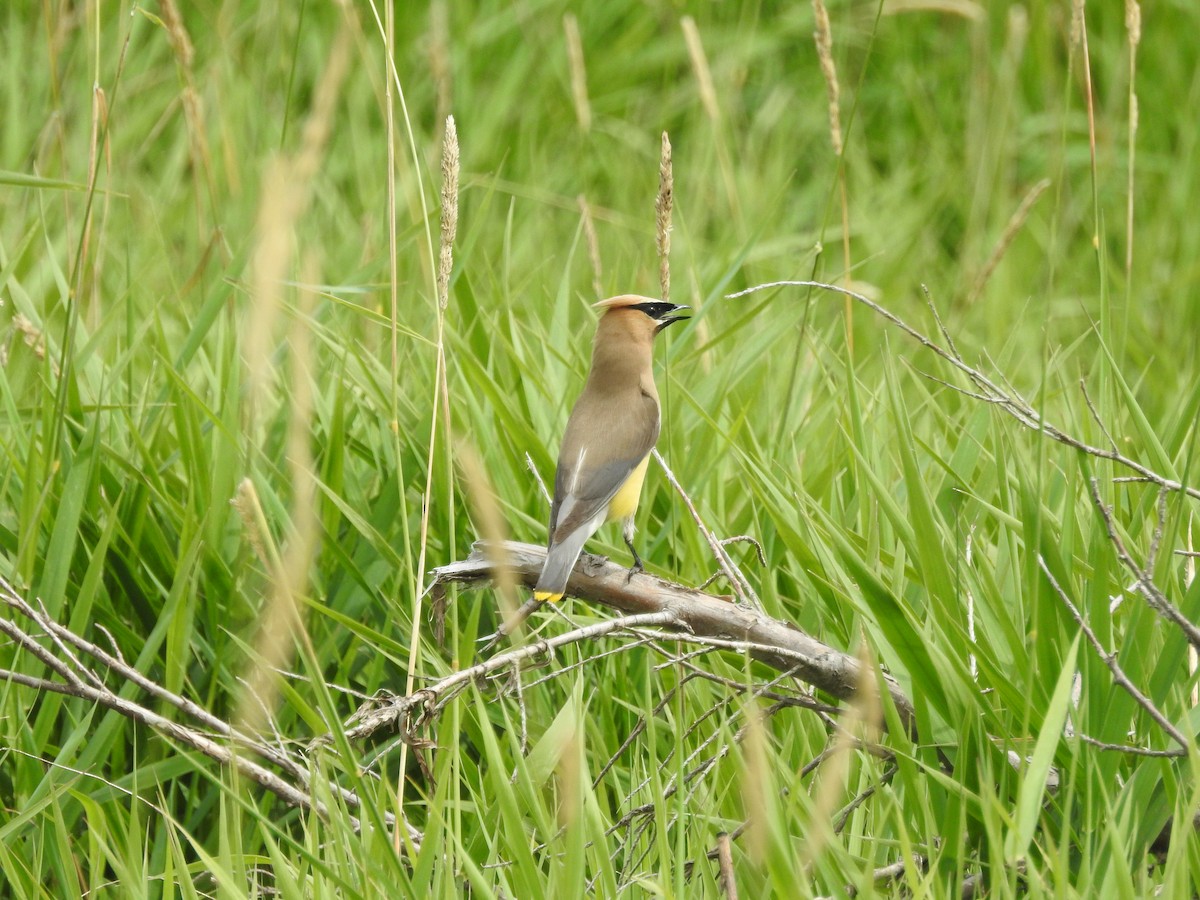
[{"x": 637, "y": 567}]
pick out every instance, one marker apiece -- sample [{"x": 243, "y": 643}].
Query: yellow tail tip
[{"x": 546, "y": 597}]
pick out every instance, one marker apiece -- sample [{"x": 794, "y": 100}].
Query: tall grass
[{"x": 901, "y": 518}]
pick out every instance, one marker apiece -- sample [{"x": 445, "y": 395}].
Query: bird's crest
[{"x": 623, "y": 300}]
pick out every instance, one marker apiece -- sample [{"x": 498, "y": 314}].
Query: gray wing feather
[{"x": 582, "y": 492}]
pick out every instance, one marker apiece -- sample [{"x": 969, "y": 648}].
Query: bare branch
[
  {"x": 398, "y": 712},
  {"x": 747, "y": 539},
  {"x": 941, "y": 326},
  {"x": 118, "y": 665},
  {"x": 297, "y": 792},
  {"x": 737, "y": 580},
  {"x": 844, "y": 816},
  {"x": 700, "y": 616},
  {"x": 1095, "y": 413},
  {"x": 1004, "y": 398},
  {"x": 1110, "y": 660},
  {"x": 1132, "y": 751},
  {"x": 1145, "y": 583}
]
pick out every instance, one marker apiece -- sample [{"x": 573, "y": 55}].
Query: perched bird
[{"x": 609, "y": 436}]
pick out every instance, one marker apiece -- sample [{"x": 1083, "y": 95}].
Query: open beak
[{"x": 667, "y": 320}]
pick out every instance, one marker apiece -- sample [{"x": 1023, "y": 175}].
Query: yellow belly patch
[
  {"x": 625, "y": 501},
  {"x": 546, "y": 597}
]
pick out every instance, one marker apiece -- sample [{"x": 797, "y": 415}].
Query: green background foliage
[{"x": 133, "y": 188}]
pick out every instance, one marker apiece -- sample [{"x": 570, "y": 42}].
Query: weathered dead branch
[
  {"x": 699, "y": 617},
  {"x": 280, "y": 771}
]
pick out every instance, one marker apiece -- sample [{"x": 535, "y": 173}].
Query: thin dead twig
[
  {"x": 1011, "y": 229},
  {"x": 1144, "y": 581},
  {"x": 397, "y": 712},
  {"x": 892, "y": 872},
  {"x": 862, "y": 797},
  {"x": 1095, "y": 413},
  {"x": 1132, "y": 751},
  {"x": 1110, "y": 660},
  {"x": 296, "y": 789},
  {"x": 1007, "y": 398},
  {"x": 741, "y": 587}
]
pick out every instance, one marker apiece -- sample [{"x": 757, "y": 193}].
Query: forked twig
[
  {"x": 1143, "y": 580},
  {"x": 399, "y": 711},
  {"x": 1006, "y": 398},
  {"x": 228, "y": 747},
  {"x": 737, "y": 580},
  {"x": 1110, "y": 660}
]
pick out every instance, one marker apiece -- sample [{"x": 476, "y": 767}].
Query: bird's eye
[{"x": 655, "y": 310}]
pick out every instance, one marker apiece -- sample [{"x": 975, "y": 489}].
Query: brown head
[
  {"x": 625, "y": 336},
  {"x": 658, "y": 312}
]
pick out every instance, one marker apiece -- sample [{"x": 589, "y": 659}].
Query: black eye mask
[{"x": 660, "y": 312}]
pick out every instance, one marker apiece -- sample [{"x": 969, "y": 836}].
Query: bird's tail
[{"x": 560, "y": 561}]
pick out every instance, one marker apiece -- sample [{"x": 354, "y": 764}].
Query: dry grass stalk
[
  {"x": 272, "y": 254},
  {"x": 176, "y": 33},
  {"x": 1133, "y": 22},
  {"x": 823, "y": 36},
  {"x": 441, "y": 417},
  {"x": 91, "y": 288},
  {"x": 579, "y": 91},
  {"x": 319, "y": 122},
  {"x": 1015, "y": 223},
  {"x": 245, "y": 504},
  {"x": 286, "y": 191},
  {"x": 663, "y": 206},
  {"x": 281, "y": 621},
  {"x": 391, "y": 84},
  {"x": 708, "y": 99},
  {"x": 450, "y": 170},
  {"x": 192, "y": 103},
  {"x": 285, "y": 196},
  {"x": 593, "y": 245},
  {"x": 1079, "y": 35},
  {"x": 860, "y": 726},
  {"x": 726, "y": 880},
  {"x": 490, "y": 525},
  {"x": 1077, "y": 21},
  {"x": 967, "y": 9},
  {"x": 755, "y": 788},
  {"x": 708, "y": 93},
  {"x": 34, "y": 337}
]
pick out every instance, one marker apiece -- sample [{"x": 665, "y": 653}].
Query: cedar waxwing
[{"x": 609, "y": 436}]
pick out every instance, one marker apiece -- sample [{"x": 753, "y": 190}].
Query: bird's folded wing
[{"x": 597, "y": 458}]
